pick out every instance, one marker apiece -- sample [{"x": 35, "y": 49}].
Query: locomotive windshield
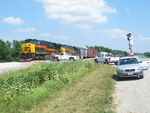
[{"x": 31, "y": 41}]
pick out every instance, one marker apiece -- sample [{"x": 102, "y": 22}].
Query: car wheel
[
  {"x": 106, "y": 62},
  {"x": 116, "y": 63},
  {"x": 71, "y": 59},
  {"x": 141, "y": 76},
  {"x": 118, "y": 78},
  {"x": 56, "y": 59},
  {"x": 95, "y": 61}
]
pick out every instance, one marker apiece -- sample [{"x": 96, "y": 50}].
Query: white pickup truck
[
  {"x": 66, "y": 56},
  {"x": 106, "y": 58}
]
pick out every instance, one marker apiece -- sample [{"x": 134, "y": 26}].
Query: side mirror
[{"x": 140, "y": 62}]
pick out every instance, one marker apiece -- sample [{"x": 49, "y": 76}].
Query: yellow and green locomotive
[{"x": 39, "y": 49}]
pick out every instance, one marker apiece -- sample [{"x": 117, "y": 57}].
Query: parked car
[
  {"x": 145, "y": 63},
  {"x": 106, "y": 58},
  {"x": 129, "y": 67}
]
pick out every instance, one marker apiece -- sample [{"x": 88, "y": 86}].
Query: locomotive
[{"x": 41, "y": 50}]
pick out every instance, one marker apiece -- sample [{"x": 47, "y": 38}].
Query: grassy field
[
  {"x": 89, "y": 94},
  {"x": 81, "y": 86}
]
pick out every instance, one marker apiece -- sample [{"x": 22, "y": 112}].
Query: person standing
[{"x": 130, "y": 39}]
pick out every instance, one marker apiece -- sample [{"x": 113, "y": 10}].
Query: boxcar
[{"x": 91, "y": 53}]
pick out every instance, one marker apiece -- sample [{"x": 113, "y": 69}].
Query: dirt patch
[{"x": 10, "y": 66}]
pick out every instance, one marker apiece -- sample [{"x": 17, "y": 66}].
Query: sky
[{"x": 78, "y": 22}]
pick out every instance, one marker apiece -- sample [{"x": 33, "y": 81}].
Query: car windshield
[
  {"x": 128, "y": 61},
  {"x": 98, "y": 55},
  {"x": 109, "y": 55}
]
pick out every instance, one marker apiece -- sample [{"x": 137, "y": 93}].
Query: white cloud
[
  {"x": 128, "y": 9},
  {"x": 54, "y": 36},
  {"x": 113, "y": 33},
  {"x": 62, "y": 37},
  {"x": 13, "y": 21},
  {"x": 143, "y": 38},
  {"x": 45, "y": 35},
  {"x": 25, "y": 30},
  {"x": 77, "y": 10},
  {"x": 83, "y": 26},
  {"x": 20, "y": 1}
]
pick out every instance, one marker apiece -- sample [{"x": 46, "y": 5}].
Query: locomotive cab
[{"x": 27, "y": 50}]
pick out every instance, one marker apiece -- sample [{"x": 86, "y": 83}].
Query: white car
[
  {"x": 145, "y": 63},
  {"x": 129, "y": 67}
]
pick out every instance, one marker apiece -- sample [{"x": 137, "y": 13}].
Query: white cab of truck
[
  {"x": 106, "y": 58},
  {"x": 66, "y": 56}
]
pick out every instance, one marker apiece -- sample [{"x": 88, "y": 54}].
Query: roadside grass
[
  {"x": 91, "y": 93},
  {"x": 20, "y": 90}
]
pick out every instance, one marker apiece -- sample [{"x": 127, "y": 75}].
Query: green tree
[
  {"x": 9, "y": 51},
  {"x": 147, "y": 54},
  {"x": 3, "y": 50},
  {"x": 105, "y": 49},
  {"x": 16, "y": 48}
]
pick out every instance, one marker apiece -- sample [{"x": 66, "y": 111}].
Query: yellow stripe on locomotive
[
  {"x": 28, "y": 48},
  {"x": 66, "y": 50}
]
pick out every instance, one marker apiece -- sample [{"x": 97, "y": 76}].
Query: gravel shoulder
[
  {"x": 133, "y": 95},
  {"x": 10, "y": 66}
]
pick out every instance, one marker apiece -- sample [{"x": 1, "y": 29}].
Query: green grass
[
  {"x": 20, "y": 90},
  {"x": 92, "y": 93}
]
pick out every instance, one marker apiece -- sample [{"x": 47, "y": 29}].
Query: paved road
[{"x": 133, "y": 95}]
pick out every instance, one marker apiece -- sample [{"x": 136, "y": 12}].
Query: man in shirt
[{"x": 130, "y": 39}]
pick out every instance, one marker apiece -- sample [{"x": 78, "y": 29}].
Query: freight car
[
  {"x": 39, "y": 49},
  {"x": 91, "y": 53}
]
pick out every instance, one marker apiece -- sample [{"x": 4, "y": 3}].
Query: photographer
[{"x": 130, "y": 39}]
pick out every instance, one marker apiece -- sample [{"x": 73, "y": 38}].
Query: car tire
[
  {"x": 141, "y": 77},
  {"x": 116, "y": 63},
  {"x": 56, "y": 59},
  {"x": 106, "y": 62},
  {"x": 118, "y": 78},
  {"x": 95, "y": 61},
  {"x": 71, "y": 59}
]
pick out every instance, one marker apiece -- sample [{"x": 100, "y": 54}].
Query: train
[{"x": 41, "y": 50}]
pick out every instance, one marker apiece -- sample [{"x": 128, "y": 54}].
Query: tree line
[
  {"x": 9, "y": 51},
  {"x": 105, "y": 49},
  {"x": 147, "y": 54}
]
